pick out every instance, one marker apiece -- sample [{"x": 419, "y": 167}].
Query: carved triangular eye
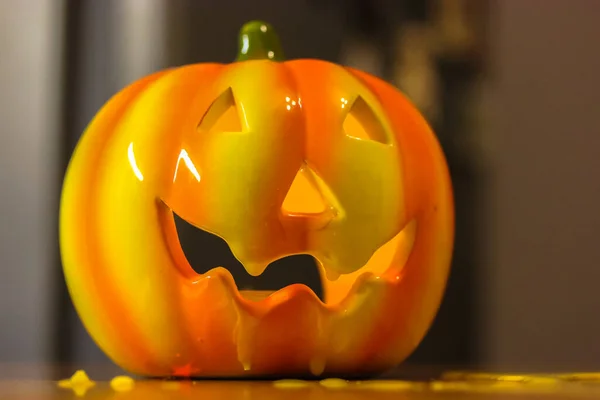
[
  {"x": 362, "y": 123},
  {"x": 222, "y": 115}
]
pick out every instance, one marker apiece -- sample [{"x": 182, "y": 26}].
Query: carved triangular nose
[{"x": 304, "y": 195}]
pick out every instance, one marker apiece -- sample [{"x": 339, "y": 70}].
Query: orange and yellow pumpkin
[{"x": 222, "y": 146}]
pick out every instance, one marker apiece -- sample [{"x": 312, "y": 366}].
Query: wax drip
[
  {"x": 319, "y": 360},
  {"x": 244, "y": 333}
]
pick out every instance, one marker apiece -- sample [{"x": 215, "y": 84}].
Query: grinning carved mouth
[{"x": 205, "y": 251}]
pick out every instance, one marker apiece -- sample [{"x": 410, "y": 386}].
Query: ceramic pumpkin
[{"x": 277, "y": 158}]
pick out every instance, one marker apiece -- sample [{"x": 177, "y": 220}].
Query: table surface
[{"x": 106, "y": 382}]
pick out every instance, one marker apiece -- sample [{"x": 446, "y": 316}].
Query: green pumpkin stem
[{"x": 259, "y": 41}]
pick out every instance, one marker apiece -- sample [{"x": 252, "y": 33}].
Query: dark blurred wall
[
  {"x": 31, "y": 44},
  {"x": 207, "y": 31},
  {"x": 540, "y": 298}
]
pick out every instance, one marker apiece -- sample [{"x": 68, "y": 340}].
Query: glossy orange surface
[{"x": 277, "y": 158}]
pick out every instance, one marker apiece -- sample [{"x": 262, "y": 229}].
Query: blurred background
[{"x": 511, "y": 88}]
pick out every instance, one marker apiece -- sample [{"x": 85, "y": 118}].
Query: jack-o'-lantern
[{"x": 277, "y": 158}]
